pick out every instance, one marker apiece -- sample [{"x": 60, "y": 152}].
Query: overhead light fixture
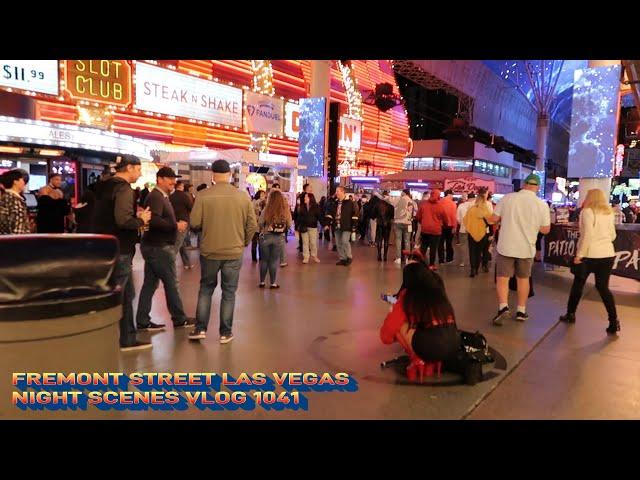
[
  {"x": 42, "y": 163},
  {"x": 5, "y": 149},
  {"x": 50, "y": 153}
]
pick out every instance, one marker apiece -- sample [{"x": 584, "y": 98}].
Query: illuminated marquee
[
  {"x": 45, "y": 133},
  {"x": 101, "y": 81}
]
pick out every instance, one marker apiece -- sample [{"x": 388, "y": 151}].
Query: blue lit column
[
  {"x": 603, "y": 184},
  {"x": 321, "y": 87}
]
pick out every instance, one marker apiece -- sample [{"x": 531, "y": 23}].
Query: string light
[{"x": 262, "y": 83}]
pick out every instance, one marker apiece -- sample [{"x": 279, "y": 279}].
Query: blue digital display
[
  {"x": 311, "y": 137},
  {"x": 543, "y": 182},
  {"x": 594, "y": 118}
]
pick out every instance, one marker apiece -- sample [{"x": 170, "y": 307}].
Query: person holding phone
[{"x": 422, "y": 320}]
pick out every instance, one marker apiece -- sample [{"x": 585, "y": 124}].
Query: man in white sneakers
[{"x": 521, "y": 215}]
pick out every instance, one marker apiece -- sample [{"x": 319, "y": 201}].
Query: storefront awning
[
  {"x": 37, "y": 132},
  {"x": 233, "y": 155}
]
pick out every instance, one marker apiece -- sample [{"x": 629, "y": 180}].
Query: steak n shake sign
[{"x": 164, "y": 91}]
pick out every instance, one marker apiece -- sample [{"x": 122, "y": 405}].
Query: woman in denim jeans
[{"x": 275, "y": 220}]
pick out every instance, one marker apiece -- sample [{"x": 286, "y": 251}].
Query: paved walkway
[{"x": 326, "y": 318}]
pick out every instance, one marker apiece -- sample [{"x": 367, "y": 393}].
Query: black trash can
[{"x": 59, "y": 312}]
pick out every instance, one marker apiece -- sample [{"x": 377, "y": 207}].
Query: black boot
[
  {"x": 614, "y": 326},
  {"x": 568, "y": 318}
]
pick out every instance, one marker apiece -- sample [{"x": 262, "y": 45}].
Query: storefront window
[
  {"x": 456, "y": 165},
  {"x": 424, "y": 163},
  {"x": 489, "y": 168}
]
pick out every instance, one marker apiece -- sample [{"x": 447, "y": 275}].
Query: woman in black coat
[{"x": 307, "y": 219}]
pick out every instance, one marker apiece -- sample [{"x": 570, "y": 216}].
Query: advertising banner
[
  {"x": 562, "y": 242},
  {"x": 350, "y": 133},
  {"x": 164, "y": 91},
  {"x": 264, "y": 114},
  {"x": 33, "y": 75},
  {"x": 468, "y": 185}
]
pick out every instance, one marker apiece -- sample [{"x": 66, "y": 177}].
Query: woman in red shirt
[{"x": 422, "y": 320}]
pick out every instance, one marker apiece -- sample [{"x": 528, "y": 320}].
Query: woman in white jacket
[{"x": 595, "y": 254}]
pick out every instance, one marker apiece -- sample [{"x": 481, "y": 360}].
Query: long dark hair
[
  {"x": 276, "y": 209},
  {"x": 312, "y": 200},
  {"x": 313, "y": 209},
  {"x": 425, "y": 298}
]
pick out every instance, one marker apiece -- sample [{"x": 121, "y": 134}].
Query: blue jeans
[
  {"x": 403, "y": 238},
  {"x": 123, "y": 277},
  {"x": 343, "y": 244},
  {"x": 230, "y": 273},
  {"x": 282, "y": 253},
  {"x": 181, "y": 247},
  {"x": 159, "y": 264},
  {"x": 270, "y": 245}
]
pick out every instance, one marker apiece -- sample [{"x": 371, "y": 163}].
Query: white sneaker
[
  {"x": 226, "y": 338},
  {"x": 398, "y": 261}
]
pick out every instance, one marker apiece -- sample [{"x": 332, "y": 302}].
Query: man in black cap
[
  {"x": 114, "y": 214},
  {"x": 228, "y": 221},
  {"x": 158, "y": 250}
]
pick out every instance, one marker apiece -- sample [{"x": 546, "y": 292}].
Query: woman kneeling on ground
[{"x": 422, "y": 320}]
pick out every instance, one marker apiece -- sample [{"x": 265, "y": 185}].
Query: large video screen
[
  {"x": 311, "y": 136},
  {"x": 594, "y": 115}
]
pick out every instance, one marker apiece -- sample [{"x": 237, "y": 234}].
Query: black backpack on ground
[
  {"x": 476, "y": 346},
  {"x": 473, "y": 353}
]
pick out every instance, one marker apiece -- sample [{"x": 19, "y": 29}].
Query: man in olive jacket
[{"x": 228, "y": 222}]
